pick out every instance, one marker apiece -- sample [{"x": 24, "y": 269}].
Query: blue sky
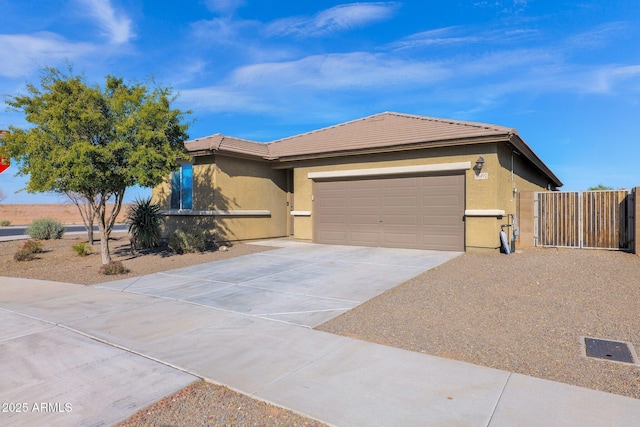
[{"x": 565, "y": 74}]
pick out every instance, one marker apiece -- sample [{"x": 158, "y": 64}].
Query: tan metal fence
[{"x": 584, "y": 219}]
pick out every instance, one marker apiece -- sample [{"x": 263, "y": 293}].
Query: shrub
[
  {"x": 113, "y": 268},
  {"x": 26, "y": 251},
  {"x": 45, "y": 229},
  {"x": 188, "y": 241},
  {"x": 145, "y": 223},
  {"x": 23, "y": 255},
  {"x": 33, "y": 246},
  {"x": 82, "y": 249},
  {"x": 5, "y": 223}
]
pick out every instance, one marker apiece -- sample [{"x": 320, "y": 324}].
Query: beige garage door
[{"x": 421, "y": 212}]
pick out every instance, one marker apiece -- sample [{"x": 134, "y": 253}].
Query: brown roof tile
[
  {"x": 380, "y": 131},
  {"x": 219, "y": 142}
]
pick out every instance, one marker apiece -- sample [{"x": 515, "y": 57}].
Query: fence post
[
  {"x": 526, "y": 219},
  {"x": 636, "y": 220}
]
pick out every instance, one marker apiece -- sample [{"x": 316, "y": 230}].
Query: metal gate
[{"x": 584, "y": 219}]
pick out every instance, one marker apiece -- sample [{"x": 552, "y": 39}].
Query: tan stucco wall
[
  {"x": 480, "y": 194},
  {"x": 494, "y": 192},
  {"x": 229, "y": 184},
  {"x": 525, "y": 179}
]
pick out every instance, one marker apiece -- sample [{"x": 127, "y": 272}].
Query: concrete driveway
[
  {"x": 302, "y": 283},
  {"x": 95, "y": 355}
]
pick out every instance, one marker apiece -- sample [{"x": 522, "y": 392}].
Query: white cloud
[
  {"x": 470, "y": 69},
  {"x": 609, "y": 78},
  {"x": 507, "y": 7},
  {"x": 223, "y": 99},
  {"x": 27, "y": 52},
  {"x": 117, "y": 27},
  {"x": 436, "y": 37},
  {"x": 340, "y": 71},
  {"x": 336, "y": 19},
  {"x": 224, "y": 6},
  {"x": 223, "y": 31},
  {"x": 597, "y": 37}
]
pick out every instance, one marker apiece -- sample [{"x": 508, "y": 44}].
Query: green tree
[
  {"x": 600, "y": 187},
  {"x": 95, "y": 141}
]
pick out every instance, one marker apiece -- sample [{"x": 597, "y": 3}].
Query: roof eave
[
  {"x": 395, "y": 148},
  {"x": 235, "y": 154},
  {"x": 523, "y": 148}
]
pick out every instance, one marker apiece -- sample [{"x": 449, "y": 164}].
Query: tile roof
[
  {"x": 380, "y": 131},
  {"x": 384, "y": 131},
  {"x": 219, "y": 142}
]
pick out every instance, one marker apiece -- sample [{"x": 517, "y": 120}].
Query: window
[{"x": 182, "y": 188}]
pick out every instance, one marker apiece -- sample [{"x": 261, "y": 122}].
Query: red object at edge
[{"x": 3, "y": 167}]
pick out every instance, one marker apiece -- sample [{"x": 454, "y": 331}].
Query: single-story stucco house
[{"x": 390, "y": 180}]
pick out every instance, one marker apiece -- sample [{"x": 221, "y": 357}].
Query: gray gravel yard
[
  {"x": 522, "y": 313},
  {"x": 206, "y": 404}
]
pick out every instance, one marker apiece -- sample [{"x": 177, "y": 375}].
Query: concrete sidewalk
[{"x": 109, "y": 350}]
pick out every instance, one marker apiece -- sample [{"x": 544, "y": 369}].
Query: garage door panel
[
  {"x": 400, "y": 202},
  {"x": 359, "y": 220},
  {"x": 363, "y": 238},
  {"x": 363, "y": 185},
  {"x": 335, "y": 237},
  {"x": 401, "y": 183},
  {"x": 333, "y": 220},
  {"x": 416, "y": 212},
  {"x": 401, "y": 240},
  {"x": 406, "y": 220},
  {"x": 449, "y": 200},
  {"x": 439, "y": 221},
  {"x": 366, "y": 202},
  {"x": 332, "y": 203},
  {"x": 440, "y": 245}
]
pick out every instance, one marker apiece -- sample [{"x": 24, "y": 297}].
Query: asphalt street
[{"x": 22, "y": 230}]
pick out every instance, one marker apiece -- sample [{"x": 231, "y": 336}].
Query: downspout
[{"x": 514, "y": 192}]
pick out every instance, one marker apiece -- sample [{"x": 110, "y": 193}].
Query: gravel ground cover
[
  {"x": 205, "y": 404},
  {"x": 523, "y": 313},
  {"x": 59, "y": 263}
]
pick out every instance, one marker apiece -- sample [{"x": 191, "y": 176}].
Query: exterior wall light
[{"x": 479, "y": 165}]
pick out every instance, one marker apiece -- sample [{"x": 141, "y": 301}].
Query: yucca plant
[{"x": 145, "y": 223}]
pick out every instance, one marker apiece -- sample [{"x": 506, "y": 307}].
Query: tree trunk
[
  {"x": 104, "y": 234},
  {"x": 105, "y": 225},
  {"x": 90, "y": 215},
  {"x": 104, "y": 247}
]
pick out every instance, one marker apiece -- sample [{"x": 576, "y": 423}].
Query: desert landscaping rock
[
  {"x": 59, "y": 263},
  {"x": 206, "y": 404},
  {"x": 523, "y": 313}
]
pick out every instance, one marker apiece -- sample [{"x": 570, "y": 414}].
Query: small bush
[
  {"x": 188, "y": 241},
  {"x": 45, "y": 229},
  {"x": 5, "y": 223},
  {"x": 26, "y": 251},
  {"x": 145, "y": 223},
  {"x": 23, "y": 255},
  {"x": 82, "y": 249},
  {"x": 33, "y": 246},
  {"x": 113, "y": 268}
]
